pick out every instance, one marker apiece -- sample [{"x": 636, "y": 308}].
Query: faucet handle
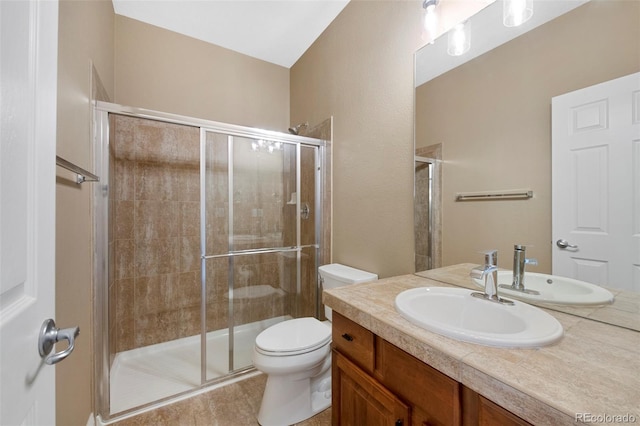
[
  {"x": 482, "y": 271},
  {"x": 490, "y": 257},
  {"x": 531, "y": 261},
  {"x": 477, "y": 273}
]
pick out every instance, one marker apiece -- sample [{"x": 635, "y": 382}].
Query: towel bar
[
  {"x": 81, "y": 174},
  {"x": 497, "y": 195}
]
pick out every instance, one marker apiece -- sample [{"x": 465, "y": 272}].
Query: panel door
[
  {"x": 28, "y": 48},
  {"x": 596, "y": 183}
]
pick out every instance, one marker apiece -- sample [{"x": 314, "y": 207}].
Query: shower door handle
[
  {"x": 50, "y": 335},
  {"x": 305, "y": 211}
]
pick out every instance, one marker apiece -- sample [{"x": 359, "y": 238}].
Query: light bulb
[
  {"x": 459, "y": 39},
  {"x": 516, "y": 12},
  {"x": 430, "y": 21}
]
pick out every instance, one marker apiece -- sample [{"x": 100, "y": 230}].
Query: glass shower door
[{"x": 251, "y": 252}]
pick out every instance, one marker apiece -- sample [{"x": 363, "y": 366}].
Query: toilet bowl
[{"x": 296, "y": 356}]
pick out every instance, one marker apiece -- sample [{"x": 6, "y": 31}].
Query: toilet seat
[{"x": 293, "y": 337}]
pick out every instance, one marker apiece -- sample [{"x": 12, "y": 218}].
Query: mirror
[{"x": 490, "y": 115}]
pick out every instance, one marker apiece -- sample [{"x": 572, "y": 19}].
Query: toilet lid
[{"x": 294, "y": 336}]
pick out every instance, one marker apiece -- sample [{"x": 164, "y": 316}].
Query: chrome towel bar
[
  {"x": 497, "y": 195},
  {"x": 81, "y": 174}
]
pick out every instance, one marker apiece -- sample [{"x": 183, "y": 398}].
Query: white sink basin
[
  {"x": 553, "y": 289},
  {"x": 454, "y": 313}
]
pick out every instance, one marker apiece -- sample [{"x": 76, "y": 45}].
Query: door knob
[
  {"x": 50, "y": 335},
  {"x": 563, "y": 244}
]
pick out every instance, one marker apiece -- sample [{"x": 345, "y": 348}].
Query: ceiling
[{"x": 276, "y": 31}]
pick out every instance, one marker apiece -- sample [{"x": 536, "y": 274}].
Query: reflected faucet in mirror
[{"x": 519, "y": 262}]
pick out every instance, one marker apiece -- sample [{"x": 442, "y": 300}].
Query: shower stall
[
  {"x": 207, "y": 233},
  {"x": 426, "y": 210}
]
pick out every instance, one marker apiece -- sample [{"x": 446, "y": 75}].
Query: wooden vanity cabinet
[{"x": 376, "y": 383}]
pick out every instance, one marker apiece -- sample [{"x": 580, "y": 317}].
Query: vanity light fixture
[
  {"x": 430, "y": 19},
  {"x": 459, "y": 39},
  {"x": 516, "y": 12}
]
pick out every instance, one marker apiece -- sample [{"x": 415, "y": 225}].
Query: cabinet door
[
  {"x": 433, "y": 396},
  {"x": 479, "y": 411},
  {"x": 358, "y": 399},
  {"x": 491, "y": 414}
]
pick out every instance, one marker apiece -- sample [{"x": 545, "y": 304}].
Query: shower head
[{"x": 296, "y": 129}]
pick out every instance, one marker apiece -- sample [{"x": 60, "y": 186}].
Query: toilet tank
[{"x": 336, "y": 275}]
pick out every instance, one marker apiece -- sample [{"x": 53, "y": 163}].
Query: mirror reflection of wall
[{"x": 492, "y": 116}]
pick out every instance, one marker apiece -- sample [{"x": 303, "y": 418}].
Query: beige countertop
[{"x": 593, "y": 371}]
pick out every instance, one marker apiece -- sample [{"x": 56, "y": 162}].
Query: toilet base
[{"x": 287, "y": 401}]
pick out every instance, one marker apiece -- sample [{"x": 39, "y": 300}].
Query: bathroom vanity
[
  {"x": 376, "y": 380},
  {"x": 388, "y": 371}
]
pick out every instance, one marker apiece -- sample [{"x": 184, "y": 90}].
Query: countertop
[{"x": 594, "y": 370}]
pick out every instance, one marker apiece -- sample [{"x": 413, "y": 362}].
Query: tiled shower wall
[
  {"x": 155, "y": 242},
  {"x": 156, "y": 232}
]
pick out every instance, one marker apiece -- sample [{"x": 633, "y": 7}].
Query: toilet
[{"x": 296, "y": 356}]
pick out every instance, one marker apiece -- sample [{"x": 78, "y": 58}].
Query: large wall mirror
[{"x": 488, "y": 118}]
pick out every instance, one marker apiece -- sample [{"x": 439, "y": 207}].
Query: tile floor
[{"x": 236, "y": 404}]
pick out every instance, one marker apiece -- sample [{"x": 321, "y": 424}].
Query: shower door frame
[{"x": 101, "y": 135}]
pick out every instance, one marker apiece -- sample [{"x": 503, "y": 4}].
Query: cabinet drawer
[{"x": 354, "y": 341}]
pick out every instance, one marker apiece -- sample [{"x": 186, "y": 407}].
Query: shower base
[{"x": 145, "y": 375}]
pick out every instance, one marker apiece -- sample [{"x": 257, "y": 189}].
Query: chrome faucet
[
  {"x": 519, "y": 262},
  {"x": 489, "y": 272}
]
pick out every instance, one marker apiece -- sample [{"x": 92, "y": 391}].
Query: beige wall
[
  {"x": 493, "y": 118},
  {"x": 85, "y": 36},
  {"x": 165, "y": 71},
  {"x": 360, "y": 71}
]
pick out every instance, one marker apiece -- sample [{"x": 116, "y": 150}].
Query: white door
[
  {"x": 28, "y": 69},
  {"x": 596, "y": 183}
]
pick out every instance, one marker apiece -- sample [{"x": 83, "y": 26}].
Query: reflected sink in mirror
[
  {"x": 553, "y": 289},
  {"x": 455, "y": 313}
]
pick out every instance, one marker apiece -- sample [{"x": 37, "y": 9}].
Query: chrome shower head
[{"x": 296, "y": 129}]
